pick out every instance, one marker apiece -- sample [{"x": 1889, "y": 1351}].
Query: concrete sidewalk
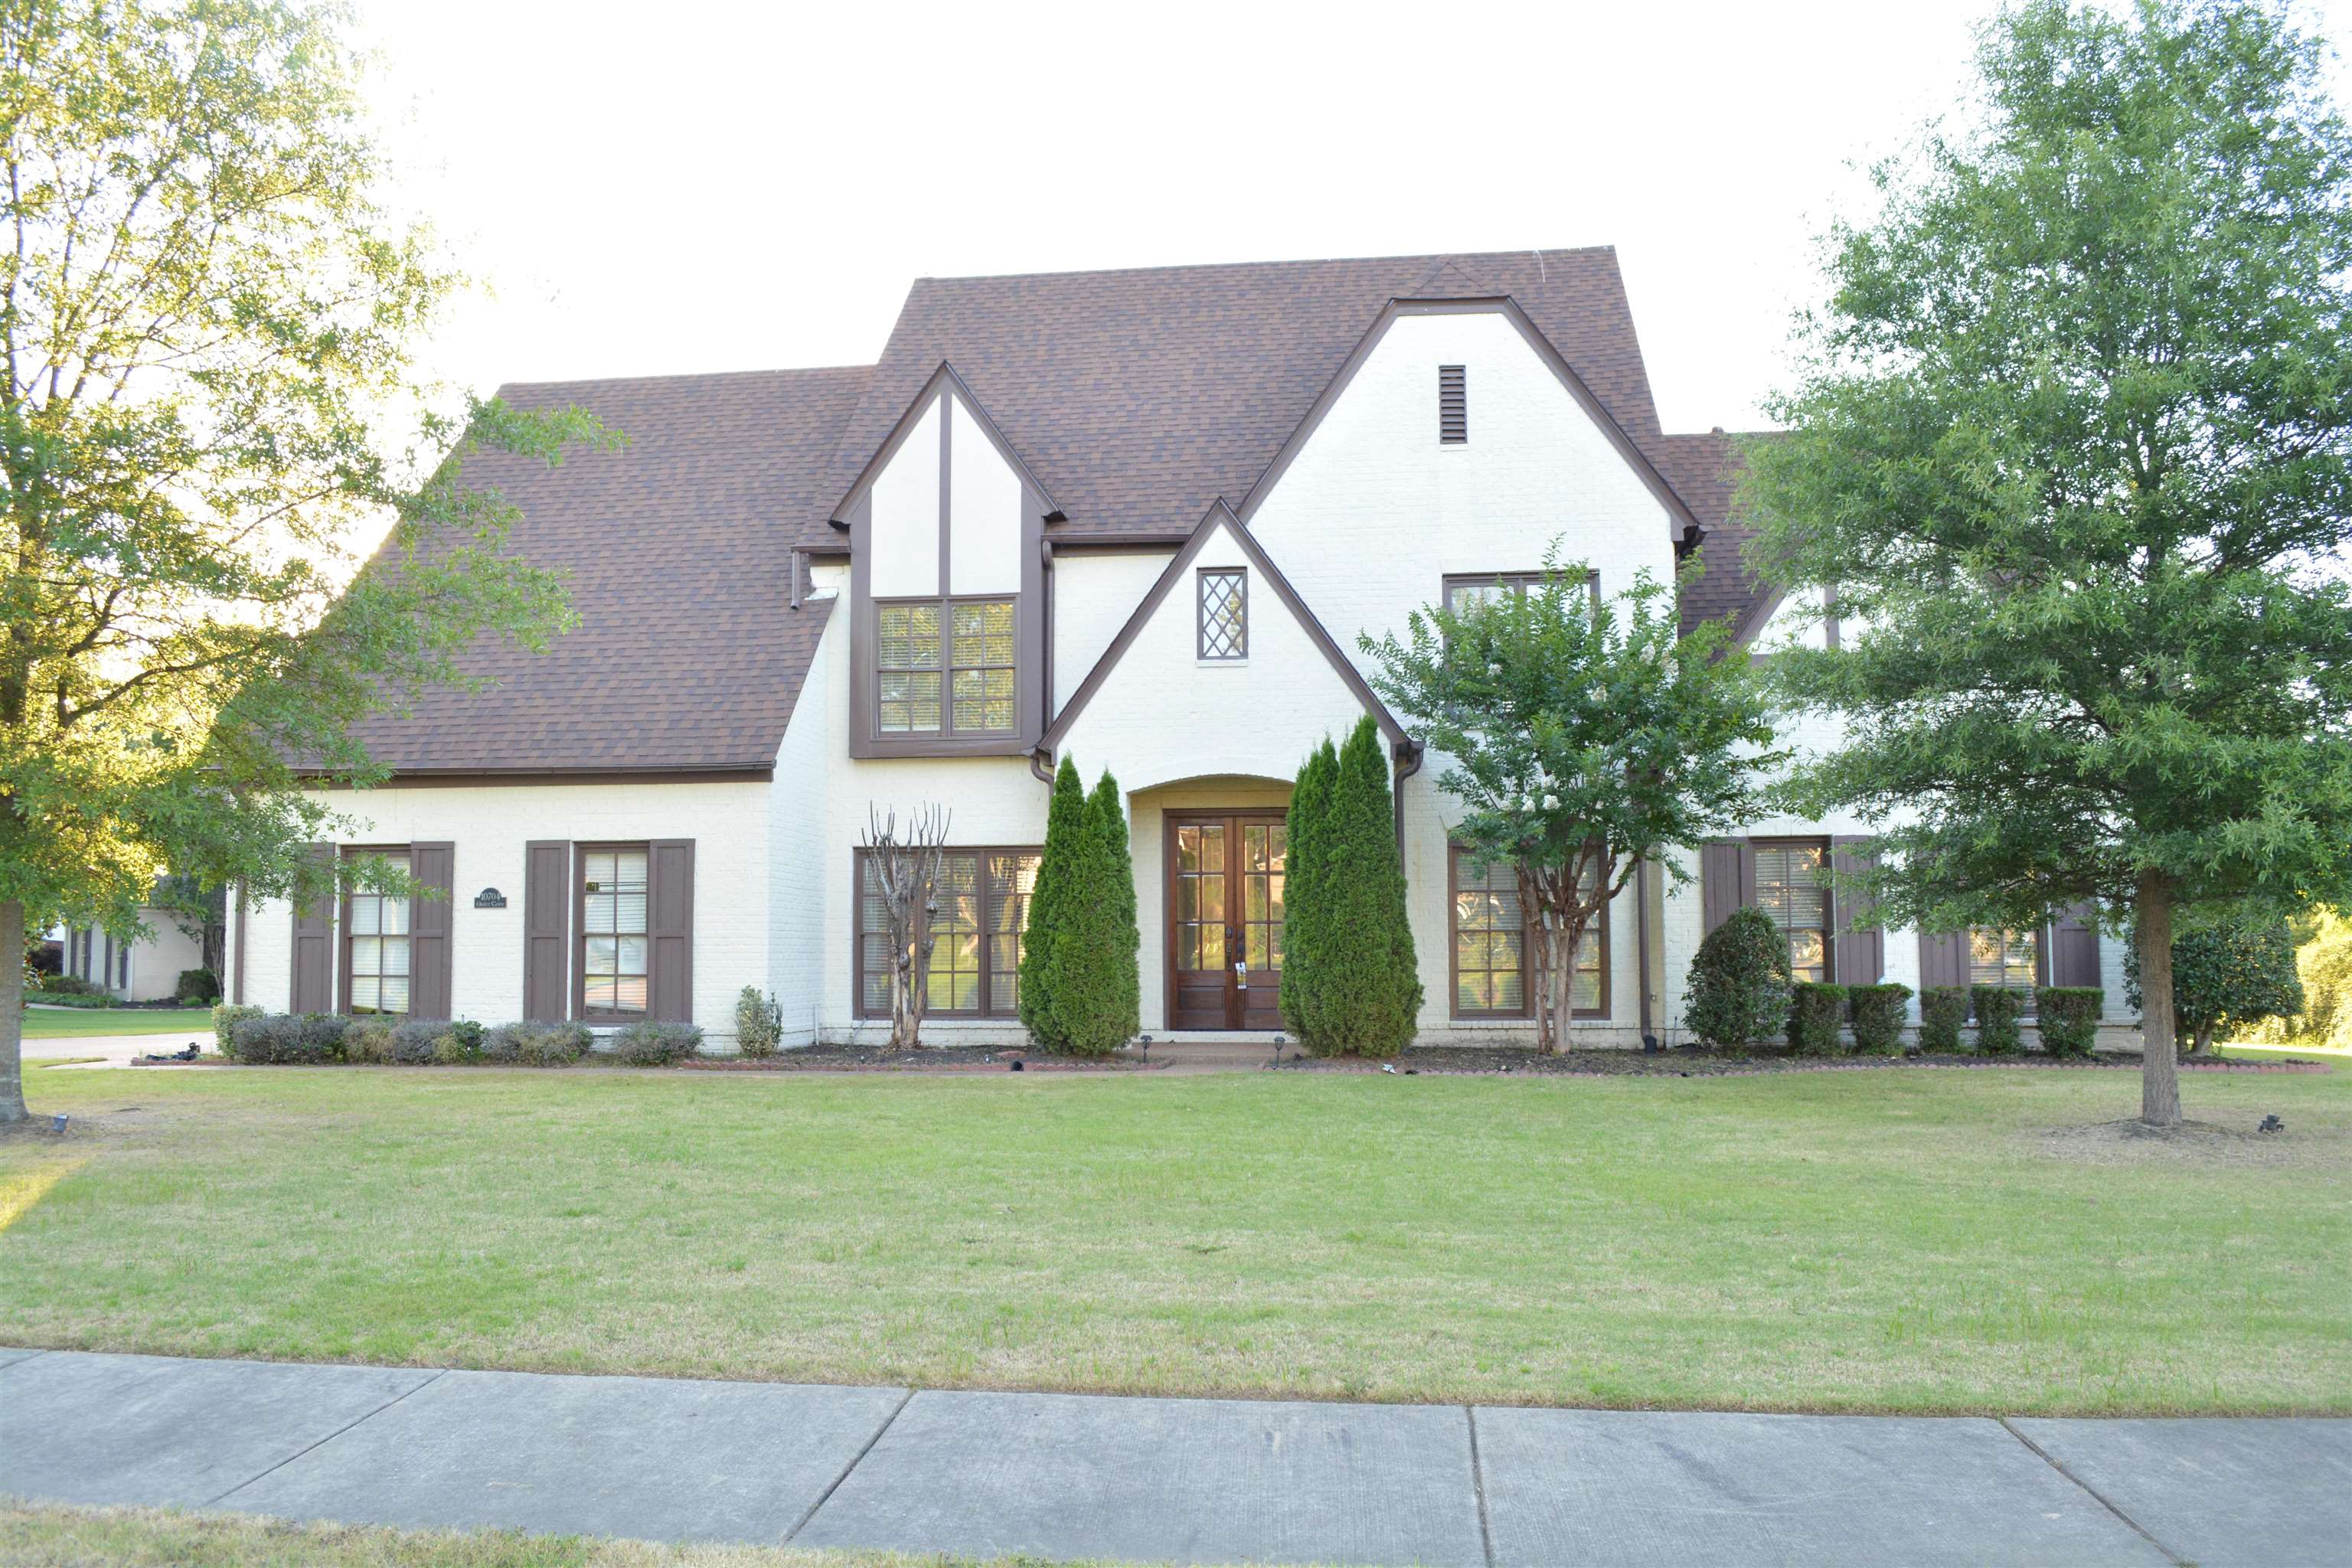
[{"x": 1189, "y": 1481}]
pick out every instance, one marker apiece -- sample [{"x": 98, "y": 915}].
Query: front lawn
[
  {"x": 69, "y": 1023},
  {"x": 1914, "y": 1241}
]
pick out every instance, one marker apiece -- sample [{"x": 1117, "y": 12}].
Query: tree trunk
[
  {"x": 12, "y": 1012},
  {"x": 2201, "y": 1044},
  {"x": 2160, "y": 1073},
  {"x": 1560, "y": 973}
]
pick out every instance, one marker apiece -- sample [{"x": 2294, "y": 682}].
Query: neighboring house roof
[
  {"x": 1704, "y": 470},
  {"x": 1141, "y": 397},
  {"x": 678, "y": 552}
]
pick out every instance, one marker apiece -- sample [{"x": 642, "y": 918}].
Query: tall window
[
  {"x": 2005, "y": 958},
  {"x": 1224, "y": 614},
  {"x": 1793, "y": 887},
  {"x": 376, "y": 951},
  {"x": 982, "y": 909},
  {"x": 1494, "y": 967},
  {"x": 944, "y": 667},
  {"x": 613, "y": 946}
]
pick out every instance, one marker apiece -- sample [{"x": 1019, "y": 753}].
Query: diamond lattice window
[{"x": 1225, "y": 615}]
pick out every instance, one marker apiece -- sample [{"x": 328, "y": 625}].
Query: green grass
[
  {"x": 61, "y": 1022},
  {"x": 1927, "y": 1241},
  {"x": 44, "y": 1537}
]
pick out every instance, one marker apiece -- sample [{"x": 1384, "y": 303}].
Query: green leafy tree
[
  {"x": 2230, "y": 976},
  {"x": 1122, "y": 937},
  {"x": 1366, "y": 991},
  {"x": 1052, "y": 900},
  {"x": 210, "y": 404},
  {"x": 2071, "y": 446},
  {"x": 2323, "y": 968},
  {"x": 1311, "y": 804},
  {"x": 1584, "y": 735}
]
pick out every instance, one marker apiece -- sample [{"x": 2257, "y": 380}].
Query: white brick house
[{"x": 1138, "y": 519}]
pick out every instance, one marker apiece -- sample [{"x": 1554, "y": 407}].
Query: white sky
[{"x": 695, "y": 185}]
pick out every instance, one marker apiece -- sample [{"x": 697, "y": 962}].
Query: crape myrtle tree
[
  {"x": 2070, "y": 448},
  {"x": 209, "y": 407},
  {"x": 1584, "y": 735}
]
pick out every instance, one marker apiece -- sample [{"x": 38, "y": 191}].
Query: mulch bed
[
  {"x": 930, "y": 1059},
  {"x": 1685, "y": 1062}
]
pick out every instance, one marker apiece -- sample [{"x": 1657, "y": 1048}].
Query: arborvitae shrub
[
  {"x": 1737, "y": 993},
  {"x": 1093, "y": 974},
  {"x": 1998, "y": 1009},
  {"x": 1310, "y": 807},
  {"x": 1878, "y": 1018},
  {"x": 1125, "y": 939},
  {"x": 1942, "y": 1010},
  {"x": 1366, "y": 989},
  {"x": 1817, "y": 1020},
  {"x": 2068, "y": 1017},
  {"x": 1051, "y": 906}
]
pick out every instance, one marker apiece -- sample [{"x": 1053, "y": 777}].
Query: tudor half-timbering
[{"x": 1136, "y": 518}]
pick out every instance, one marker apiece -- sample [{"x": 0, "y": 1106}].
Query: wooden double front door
[{"x": 1224, "y": 919}]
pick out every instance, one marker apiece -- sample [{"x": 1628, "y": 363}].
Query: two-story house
[{"x": 1137, "y": 518}]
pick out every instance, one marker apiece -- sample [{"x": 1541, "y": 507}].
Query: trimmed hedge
[
  {"x": 1817, "y": 1019},
  {"x": 2069, "y": 1019},
  {"x": 1942, "y": 1010},
  {"x": 73, "y": 999},
  {"x": 1737, "y": 993},
  {"x": 648, "y": 1044},
  {"x": 226, "y": 1016},
  {"x": 1998, "y": 1009},
  {"x": 537, "y": 1045},
  {"x": 1878, "y": 1013},
  {"x": 197, "y": 987},
  {"x": 759, "y": 1023},
  {"x": 289, "y": 1039},
  {"x": 412, "y": 1042}
]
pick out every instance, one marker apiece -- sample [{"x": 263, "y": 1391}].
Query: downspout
[
  {"x": 796, "y": 559},
  {"x": 1409, "y": 752},
  {"x": 1037, "y": 753},
  {"x": 1641, "y": 941}
]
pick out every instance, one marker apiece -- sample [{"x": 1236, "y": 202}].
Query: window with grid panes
[
  {"x": 613, "y": 946},
  {"x": 2004, "y": 958},
  {"x": 376, "y": 949},
  {"x": 1224, "y": 614},
  {"x": 1493, "y": 965},
  {"x": 1793, "y": 887},
  {"x": 981, "y": 901}
]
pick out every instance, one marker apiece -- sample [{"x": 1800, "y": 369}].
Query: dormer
[{"x": 947, "y": 596}]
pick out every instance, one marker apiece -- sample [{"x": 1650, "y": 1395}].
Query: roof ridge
[
  {"x": 690, "y": 376},
  {"x": 1433, "y": 256}
]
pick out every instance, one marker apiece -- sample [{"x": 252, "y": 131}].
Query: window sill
[{"x": 1220, "y": 664}]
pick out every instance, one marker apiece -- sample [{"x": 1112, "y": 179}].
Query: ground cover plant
[{"x": 1839, "y": 1239}]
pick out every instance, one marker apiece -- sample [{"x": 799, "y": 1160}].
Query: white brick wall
[
  {"x": 489, "y": 824},
  {"x": 798, "y": 842}
]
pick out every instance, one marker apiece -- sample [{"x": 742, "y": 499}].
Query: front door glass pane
[
  {"x": 1264, "y": 855},
  {"x": 1200, "y": 896}
]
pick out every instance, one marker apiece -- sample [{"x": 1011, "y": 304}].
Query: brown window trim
[
  {"x": 857, "y": 933},
  {"x": 342, "y": 997},
  {"x": 1516, "y": 582},
  {"x": 1829, "y": 894},
  {"x": 947, "y": 669},
  {"x": 1527, "y": 1008},
  {"x": 581, "y": 1011},
  {"x": 1201, "y": 614}
]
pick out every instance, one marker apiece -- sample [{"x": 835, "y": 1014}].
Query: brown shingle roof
[
  {"x": 678, "y": 548},
  {"x": 1703, "y": 469}
]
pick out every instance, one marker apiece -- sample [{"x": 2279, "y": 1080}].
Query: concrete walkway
[
  {"x": 113, "y": 1050},
  {"x": 1186, "y": 1480}
]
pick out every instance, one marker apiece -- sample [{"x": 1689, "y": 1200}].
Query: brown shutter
[
  {"x": 1860, "y": 945},
  {"x": 314, "y": 948},
  {"x": 2074, "y": 948},
  {"x": 429, "y": 920},
  {"x": 669, "y": 929},
  {"x": 546, "y": 930},
  {"x": 1943, "y": 959},
  {"x": 1726, "y": 880}
]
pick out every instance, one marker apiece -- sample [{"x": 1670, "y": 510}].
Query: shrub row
[
  {"x": 2068, "y": 1017},
  {"x": 251, "y": 1036}
]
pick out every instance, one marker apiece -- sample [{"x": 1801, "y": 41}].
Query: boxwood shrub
[
  {"x": 1737, "y": 993},
  {"x": 1942, "y": 1010},
  {"x": 226, "y": 1016},
  {"x": 648, "y": 1044},
  {"x": 290, "y": 1038},
  {"x": 2069, "y": 1019},
  {"x": 536, "y": 1045},
  {"x": 1998, "y": 1010},
  {"x": 1817, "y": 1020},
  {"x": 1878, "y": 1018}
]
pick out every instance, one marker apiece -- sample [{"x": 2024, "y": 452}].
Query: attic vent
[{"x": 1453, "y": 406}]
